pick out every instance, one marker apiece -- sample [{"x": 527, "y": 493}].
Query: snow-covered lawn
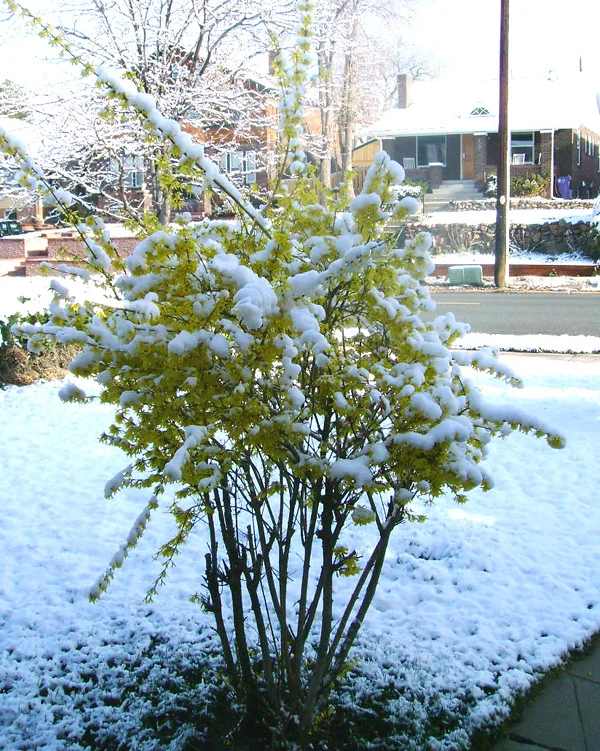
[{"x": 474, "y": 604}]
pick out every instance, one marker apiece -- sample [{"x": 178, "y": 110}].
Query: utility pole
[{"x": 503, "y": 186}]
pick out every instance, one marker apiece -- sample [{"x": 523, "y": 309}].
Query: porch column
[
  {"x": 436, "y": 170},
  {"x": 547, "y": 156},
  {"x": 479, "y": 158}
]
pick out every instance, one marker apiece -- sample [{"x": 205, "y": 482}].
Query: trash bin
[
  {"x": 563, "y": 185},
  {"x": 471, "y": 274}
]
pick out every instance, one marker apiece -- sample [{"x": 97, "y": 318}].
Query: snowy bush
[
  {"x": 277, "y": 372},
  {"x": 491, "y": 186},
  {"x": 18, "y": 364},
  {"x": 520, "y": 185},
  {"x": 530, "y": 185},
  {"x": 403, "y": 191}
]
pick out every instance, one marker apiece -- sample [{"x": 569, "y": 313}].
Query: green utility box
[{"x": 465, "y": 275}]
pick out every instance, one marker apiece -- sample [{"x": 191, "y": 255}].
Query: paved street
[{"x": 524, "y": 312}]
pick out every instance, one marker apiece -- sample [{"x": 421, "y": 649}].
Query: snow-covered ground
[
  {"x": 516, "y": 258},
  {"x": 473, "y": 605},
  {"x": 516, "y": 216}
]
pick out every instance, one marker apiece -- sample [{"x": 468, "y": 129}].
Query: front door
[{"x": 468, "y": 149}]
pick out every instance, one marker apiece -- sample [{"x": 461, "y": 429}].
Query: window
[
  {"x": 578, "y": 147},
  {"x": 431, "y": 149},
  {"x": 240, "y": 164},
  {"x": 133, "y": 171},
  {"x": 129, "y": 170},
  {"x": 522, "y": 148}
]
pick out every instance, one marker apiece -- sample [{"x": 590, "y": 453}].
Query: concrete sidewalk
[{"x": 565, "y": 714}]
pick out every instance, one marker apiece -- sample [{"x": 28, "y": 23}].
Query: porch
[{"x": 437, "y": 159}]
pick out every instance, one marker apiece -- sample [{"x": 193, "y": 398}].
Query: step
[
  {"x": 432, "y": 205},
  {"x": 458, "y": 182},
  {"x": 457, "y": 189},
  {"x": 451, "y": 192},
  {"x": 447, "y": 199},
  {"x": 18, "y": 271}
]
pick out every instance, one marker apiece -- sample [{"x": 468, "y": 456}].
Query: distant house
[
  {"x": 442, "y": 130},
  {"x": 16, "y": 202}
]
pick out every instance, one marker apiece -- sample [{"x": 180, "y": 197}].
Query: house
[
  {"x": 16, "y": 202},
  {"x": 442, "y": 130}
]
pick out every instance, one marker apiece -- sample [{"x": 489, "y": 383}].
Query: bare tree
[
  {"x": 360, "y": 46},
  {"x": 14, "y": 101},
  {"x": 193, "y": 56}
]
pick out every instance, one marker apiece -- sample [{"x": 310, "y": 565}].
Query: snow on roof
[{"x": 534, "y": 104}]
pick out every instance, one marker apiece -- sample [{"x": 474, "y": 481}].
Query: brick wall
[
  {"x": 480, "y": 159},
  {"x": 585, "y": 177},
  {"x": 546, "y": 157},
  {"x": 12, "y": 247},
  {"x": 54, "y": 247}
]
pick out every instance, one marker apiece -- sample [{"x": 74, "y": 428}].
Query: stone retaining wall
[
  {"x": 553, "y": 238},
  {"x": 533, "y": 202}
]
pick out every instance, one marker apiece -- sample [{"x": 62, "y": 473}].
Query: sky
[
  {"x": 473, "y": 605},
  {"x": 545, "y": 35}
]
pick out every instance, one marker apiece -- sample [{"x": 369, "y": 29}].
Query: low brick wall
[
  {"x": 12, "y": 247},
  {"x": 72, "y": 246},
  {"x": 29, "y": 251},
  {"x": 17, "y": 246},
  {"x": 524, "y": 269}
]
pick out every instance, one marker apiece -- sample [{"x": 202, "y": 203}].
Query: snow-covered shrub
[
  {"x": 404, "y": 191},
  {"x": 19, "y": 363},
  {"x": 277, "y": 372},
  {"x": 491, "y": 185}
]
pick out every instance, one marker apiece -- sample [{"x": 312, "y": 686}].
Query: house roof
[{"x": 444, "y": 107}]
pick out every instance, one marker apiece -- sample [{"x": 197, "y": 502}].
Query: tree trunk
[{"x": 325, "y": 60}]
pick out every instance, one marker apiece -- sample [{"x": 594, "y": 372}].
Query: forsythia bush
[{"x": 276, "y": 369}]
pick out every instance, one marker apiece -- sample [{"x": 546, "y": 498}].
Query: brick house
[
  {"x": 443, "y": 131},
  {"x": 16, "y": 202}
]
